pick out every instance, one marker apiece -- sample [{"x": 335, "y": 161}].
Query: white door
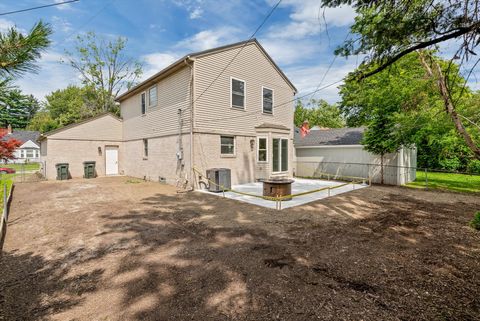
[{"x": 111, "y": 160}]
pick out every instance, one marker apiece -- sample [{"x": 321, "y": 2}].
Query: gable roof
[
  {"x": 44, "y": 135},
  {"x": 329, "y": 137},
  {"x": 23, "y": 136},
  {"x": 182, "y": 61}
]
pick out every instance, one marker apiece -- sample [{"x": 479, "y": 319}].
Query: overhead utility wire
[
  {"x": 239, "y": 51},
  {"x": 277, "y": 105},
  {"x": 39, "y": 7}
]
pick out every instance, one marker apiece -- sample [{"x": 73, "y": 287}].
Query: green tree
[
  {"x": 66, "y": 106},
  {"x": 43, "y": 122},
  {"x": 387, "y": 31},
  {"x": 319, "y": 113},
  {"x": 415, "y": 105},
  {"x": 19, "y": 53},
  {"x": 104, "y": 67},
  {"x": 16, "y": 108},
  {"x": 381, "y": 137}
]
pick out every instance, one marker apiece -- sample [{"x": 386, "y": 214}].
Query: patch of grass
[
  {"x": 448, "y": 181},
  {"x": 9, "y": 182},
  {"x": 475, "y": 223},
  {"x": 23, "y": 167},
  {"x": 132, "y": 181}
]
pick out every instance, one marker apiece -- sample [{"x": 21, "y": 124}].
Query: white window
[
  {"x": 145, "y": 148},
  {"x": 280, "y": 155},
  {"x": 267, "y": 100},
  {"x": 152, "y": 97},
  {"x": 30, "y": 153},
  {"x": 143, "y": 103},
  {"x": 262, "y": 151},
  {"x": 227, "y": 145},
  {"x": 37, "y": 153},
  {"x": 237, "y": 93}
]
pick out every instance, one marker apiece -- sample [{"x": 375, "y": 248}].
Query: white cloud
[
  {"x": 6, "y": 24},
  {"x": 308, "y": 78},
  {"x": 193, "y": 7},
  {"x": 157, "y": 61},
  {"x": 308, "y": 18},
  {"x": 208, "y": 39},
  {"x": 285, "y": 53},
  {"x": 61, "y": 24},
  {"x": 52, "y": 75},
  {"x": 66, "y": 6},
  {"x": 196, "y": 13}
]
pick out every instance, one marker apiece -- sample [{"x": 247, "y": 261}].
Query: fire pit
[{"x": 278, "y": 187}]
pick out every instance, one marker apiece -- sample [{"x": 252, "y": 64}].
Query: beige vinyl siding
[
  {"x": 213, "y": 112},
  {"x": 173, "y": 93},
  {"x": 105, "y": 127}
]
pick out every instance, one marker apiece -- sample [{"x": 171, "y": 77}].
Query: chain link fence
[
  {"x": 24, "y": 172},
  {"x": 392, "y": 175}
]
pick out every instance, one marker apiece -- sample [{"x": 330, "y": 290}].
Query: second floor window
[
  {"x": 143, "y": 103},
  {"x": 267, "y": 100},
  {"x": 238, "y": 93},
  {"x": 152, "y": 97}
]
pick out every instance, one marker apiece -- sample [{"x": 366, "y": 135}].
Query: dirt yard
[{"x": 119, "y": 249}]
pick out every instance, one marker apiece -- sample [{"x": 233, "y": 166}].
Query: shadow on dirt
[{"x": 413, "y": 259}]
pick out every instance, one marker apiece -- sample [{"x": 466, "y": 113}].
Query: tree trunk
[{"x": 437, "y": 74}]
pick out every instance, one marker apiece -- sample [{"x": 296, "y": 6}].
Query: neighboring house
[
  {"x": 191, "y": 114},
  {"x": 339, "y": 151},
  {"x": 29, "y": 151}
]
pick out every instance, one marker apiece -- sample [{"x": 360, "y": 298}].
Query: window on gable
[
  {"x": 145, "y": 148},
  {"x": 267, "y": 100},
  {"x": 227, "y": 145},
  {"x": 152, "y": 97},
  {"x": 143, "y": 103},
  {"x": 262, "y": 149},
  {"x": 238, "y": 93}
]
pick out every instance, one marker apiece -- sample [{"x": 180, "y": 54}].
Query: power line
[
  {"x": 241, "y": 49},
  {"x": 277, "y": 105},
  {"x": 39, "y": 7}
]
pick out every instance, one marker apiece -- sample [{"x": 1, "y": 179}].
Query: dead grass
[{"x": 106, "y": 250}]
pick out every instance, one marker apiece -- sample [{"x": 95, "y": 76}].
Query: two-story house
[{"x": 228, "y": 107}]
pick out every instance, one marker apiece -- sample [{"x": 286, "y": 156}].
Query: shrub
[
  {"x": 474, "y": 166},
  {"x": 475, "y": 223}
]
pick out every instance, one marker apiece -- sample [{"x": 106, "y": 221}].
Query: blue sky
[{"x": 161, "y": 31}]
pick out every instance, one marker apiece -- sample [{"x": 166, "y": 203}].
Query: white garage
[{"x": 339, "y": 152}]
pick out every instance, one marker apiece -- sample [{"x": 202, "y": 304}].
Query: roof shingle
[{"x": 330, "y": 137}]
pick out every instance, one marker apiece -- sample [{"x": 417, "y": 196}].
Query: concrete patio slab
[{"x": 300, "y": 185}]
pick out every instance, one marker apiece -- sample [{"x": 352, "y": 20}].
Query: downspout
[{"x": 192, "y": 70}]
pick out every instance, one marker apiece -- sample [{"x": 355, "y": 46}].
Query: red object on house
[{"x": 305, "y": 129}]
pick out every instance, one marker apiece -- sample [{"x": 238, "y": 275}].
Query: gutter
[{"x": 192, "y": 77}]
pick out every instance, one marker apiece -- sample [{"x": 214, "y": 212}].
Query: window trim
[
  {"x": 234, "y": 146},
  {"x": 143, "y": 111},
  {"x": 258, "y": 149},
  {"x": 156, "y": 102},
  {"x": 281, "y": 156},
  {"x": 244, "y": 94},
  {"x": 273, "y": 100}
]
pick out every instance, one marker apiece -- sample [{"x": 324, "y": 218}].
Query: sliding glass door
[{"x": 280, "y": 155}]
